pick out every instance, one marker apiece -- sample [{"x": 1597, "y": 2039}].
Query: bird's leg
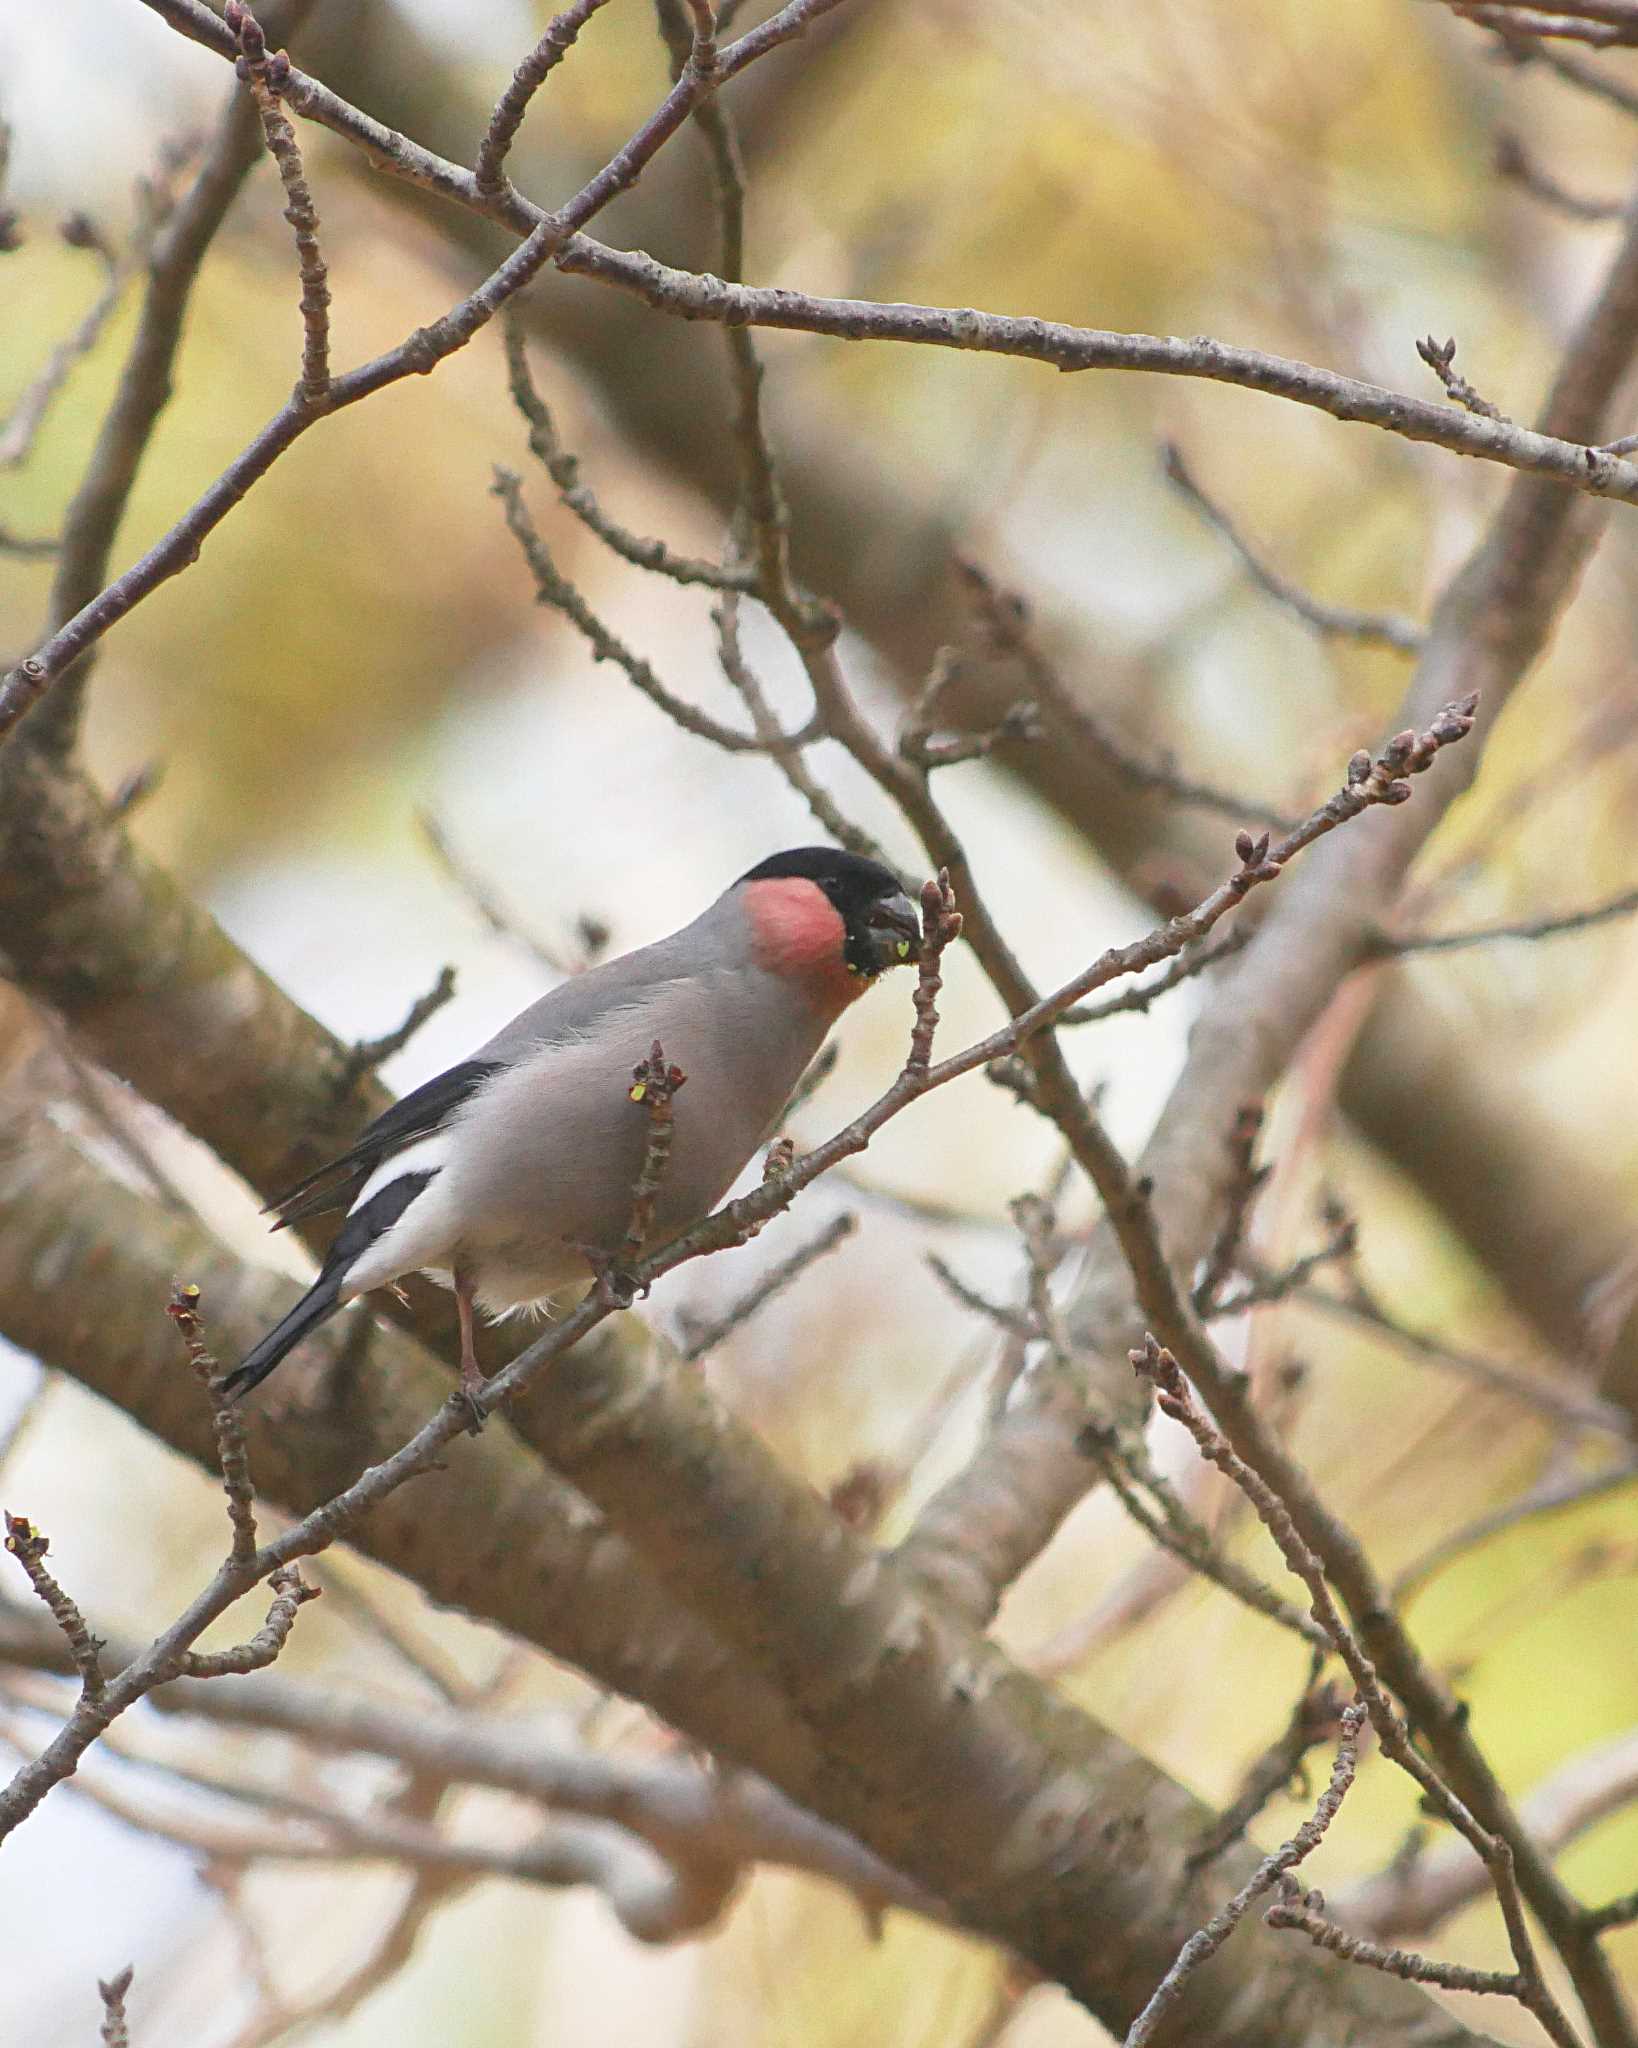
[{"x": 472, "y": 1379}]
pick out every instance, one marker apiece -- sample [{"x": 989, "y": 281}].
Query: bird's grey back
[{"x": 717, "y": 938}]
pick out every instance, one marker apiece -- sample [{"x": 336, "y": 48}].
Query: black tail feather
[
  {"x": 361, "y": 1229},
  {"x": 316, "y": 1306}
]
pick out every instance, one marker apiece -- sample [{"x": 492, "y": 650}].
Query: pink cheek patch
[{"x": 796, "y": 931}]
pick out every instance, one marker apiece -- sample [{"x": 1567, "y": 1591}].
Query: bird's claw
[{"x": 613, "y": 1285}]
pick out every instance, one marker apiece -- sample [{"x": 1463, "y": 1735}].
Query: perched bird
[{"x": 507, "y": 1176}]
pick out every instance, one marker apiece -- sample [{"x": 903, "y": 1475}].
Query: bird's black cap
[{"x": 848, "y": 879}]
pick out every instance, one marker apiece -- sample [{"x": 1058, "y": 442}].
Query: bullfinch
[{"x": 507, "y": 1176}]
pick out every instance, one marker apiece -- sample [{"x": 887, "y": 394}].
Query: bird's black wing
[{"x": 416, "y": 1115}]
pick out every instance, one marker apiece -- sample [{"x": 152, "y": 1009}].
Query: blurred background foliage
[{"x": 358, "y": 648}]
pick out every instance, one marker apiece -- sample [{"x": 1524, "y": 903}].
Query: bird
[{"x": 508, "y": 1177}]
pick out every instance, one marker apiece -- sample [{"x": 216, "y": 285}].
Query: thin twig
[
  {"x": 1015, "y": 1322},
  {"x": 553, "y": 588},
  {"x": 1314, "y": 1719},
  {"x": 265, "y": 75},
  {"x": 489, "y": 173},
  {"x": 1549, "y": 1498},
  {"x": 1307, "y": 1919},
  {"x": 228, "y": 1420},
  {"x": 28, "y": 415},
  {"x": 788, "y": 760},
  {"x": 146, "y": 378},
  {"x": 482, "y": 899},
  {"x": 29, "y": 1547},
  {"x": 1272, "y": 1285},
  {"x": 698, "y": 296},
  {"x": 654, "y": 1085},
  {"x": 1390, "y": 944},
  {"x": 1246, "y": 1182},
  {"x": 1585, "y": 1410},
  {"x": 113, "y": 1991},
  {"x": 693, "y": 295},
  {"x": 31, "y": 548},
  {"x": 290, "y": 1592},
  {"x": 1422, "y": 1886},
  {"x": 1201, "y": 1946},
  {"x": 1440, "y": 357},
  {"x": 1157, "y": 1365},
  {"x": 564, "y": 470},
  {"x": 1136, "y": 1001},
  {"x": 1340, "y": 621},
  {"x": 1005, "y": 621},
  {"x": 1593, "y": 79},
  {"x": 702, "y": 1337},
  {"x": 366, "y": 1054},
  {"x": 1514, "y": 162},
  {"x": 1619, "y": 1912}
]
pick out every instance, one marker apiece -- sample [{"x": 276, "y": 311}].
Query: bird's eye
[{"x": 904, "y": 949}]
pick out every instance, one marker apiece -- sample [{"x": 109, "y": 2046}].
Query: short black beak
[{"x": 899, "y": 922}]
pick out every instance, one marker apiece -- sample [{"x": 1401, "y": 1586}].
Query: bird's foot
[
  {"x": 470, "y": 1394},
  {"x": 612, "y": 1284}
]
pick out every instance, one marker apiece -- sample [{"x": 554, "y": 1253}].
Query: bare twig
[
  {"x": 366, "y": 1054},
  {"x": 1440, "y": 357},
  {"x": 701, "y": 1337},
  {"x": 1314, "y": 1720},
  {"x": 264, "y": 75},
  {"x": 1158, "y": 1365},
  {"x": 1016, "y": 1322},
  {"x": 554, "y": 45},
  {"x": 229, "y": 1422},
  {"x": 102, "y": 1699},
  {"x": 1389, "y": 944},
  {"x": 290, "y": 1593},
  {"x": 37, "y": 548},
  {"x": 553, "y": 588},
  {"x": 691, "y": 295},
  {"x": 1618, "y": 1912},
  {"x": 564, "y": 471},
  {"x": 1585, "y": 1410},
  {"x": 115, "y": 2033},
  {"x": 1246, "y": 1182},
  {"x": 28, "y": 415},
  {"x": 1268, "y": 1285},
  {"x": 1005, "y": 623},
  {"x": 1118, "y": 1455},
  {"x": 482, "y": 899},
  {"x": 1415, "y": 1893},
  {"x": 1306, "y": 1917},
  {"x": 1121, "y": 1456},
  {"x": 1137, "y": 1000},
  {"x": 689, "y": 1811},
  {"x": 1549, "y": 1498},
  {"x": 1514, "y": 162},
  {"x": 1200, "y": 1947},
  {"x": 695, "y": 296},
  {"x": 789, "y": 760},
  {"x": 1383, "y": 629},
  {"x": 1594, "y": 79},
  {"x": 654, "y": 1085},
  {"x": 29, "y": 1547}
]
